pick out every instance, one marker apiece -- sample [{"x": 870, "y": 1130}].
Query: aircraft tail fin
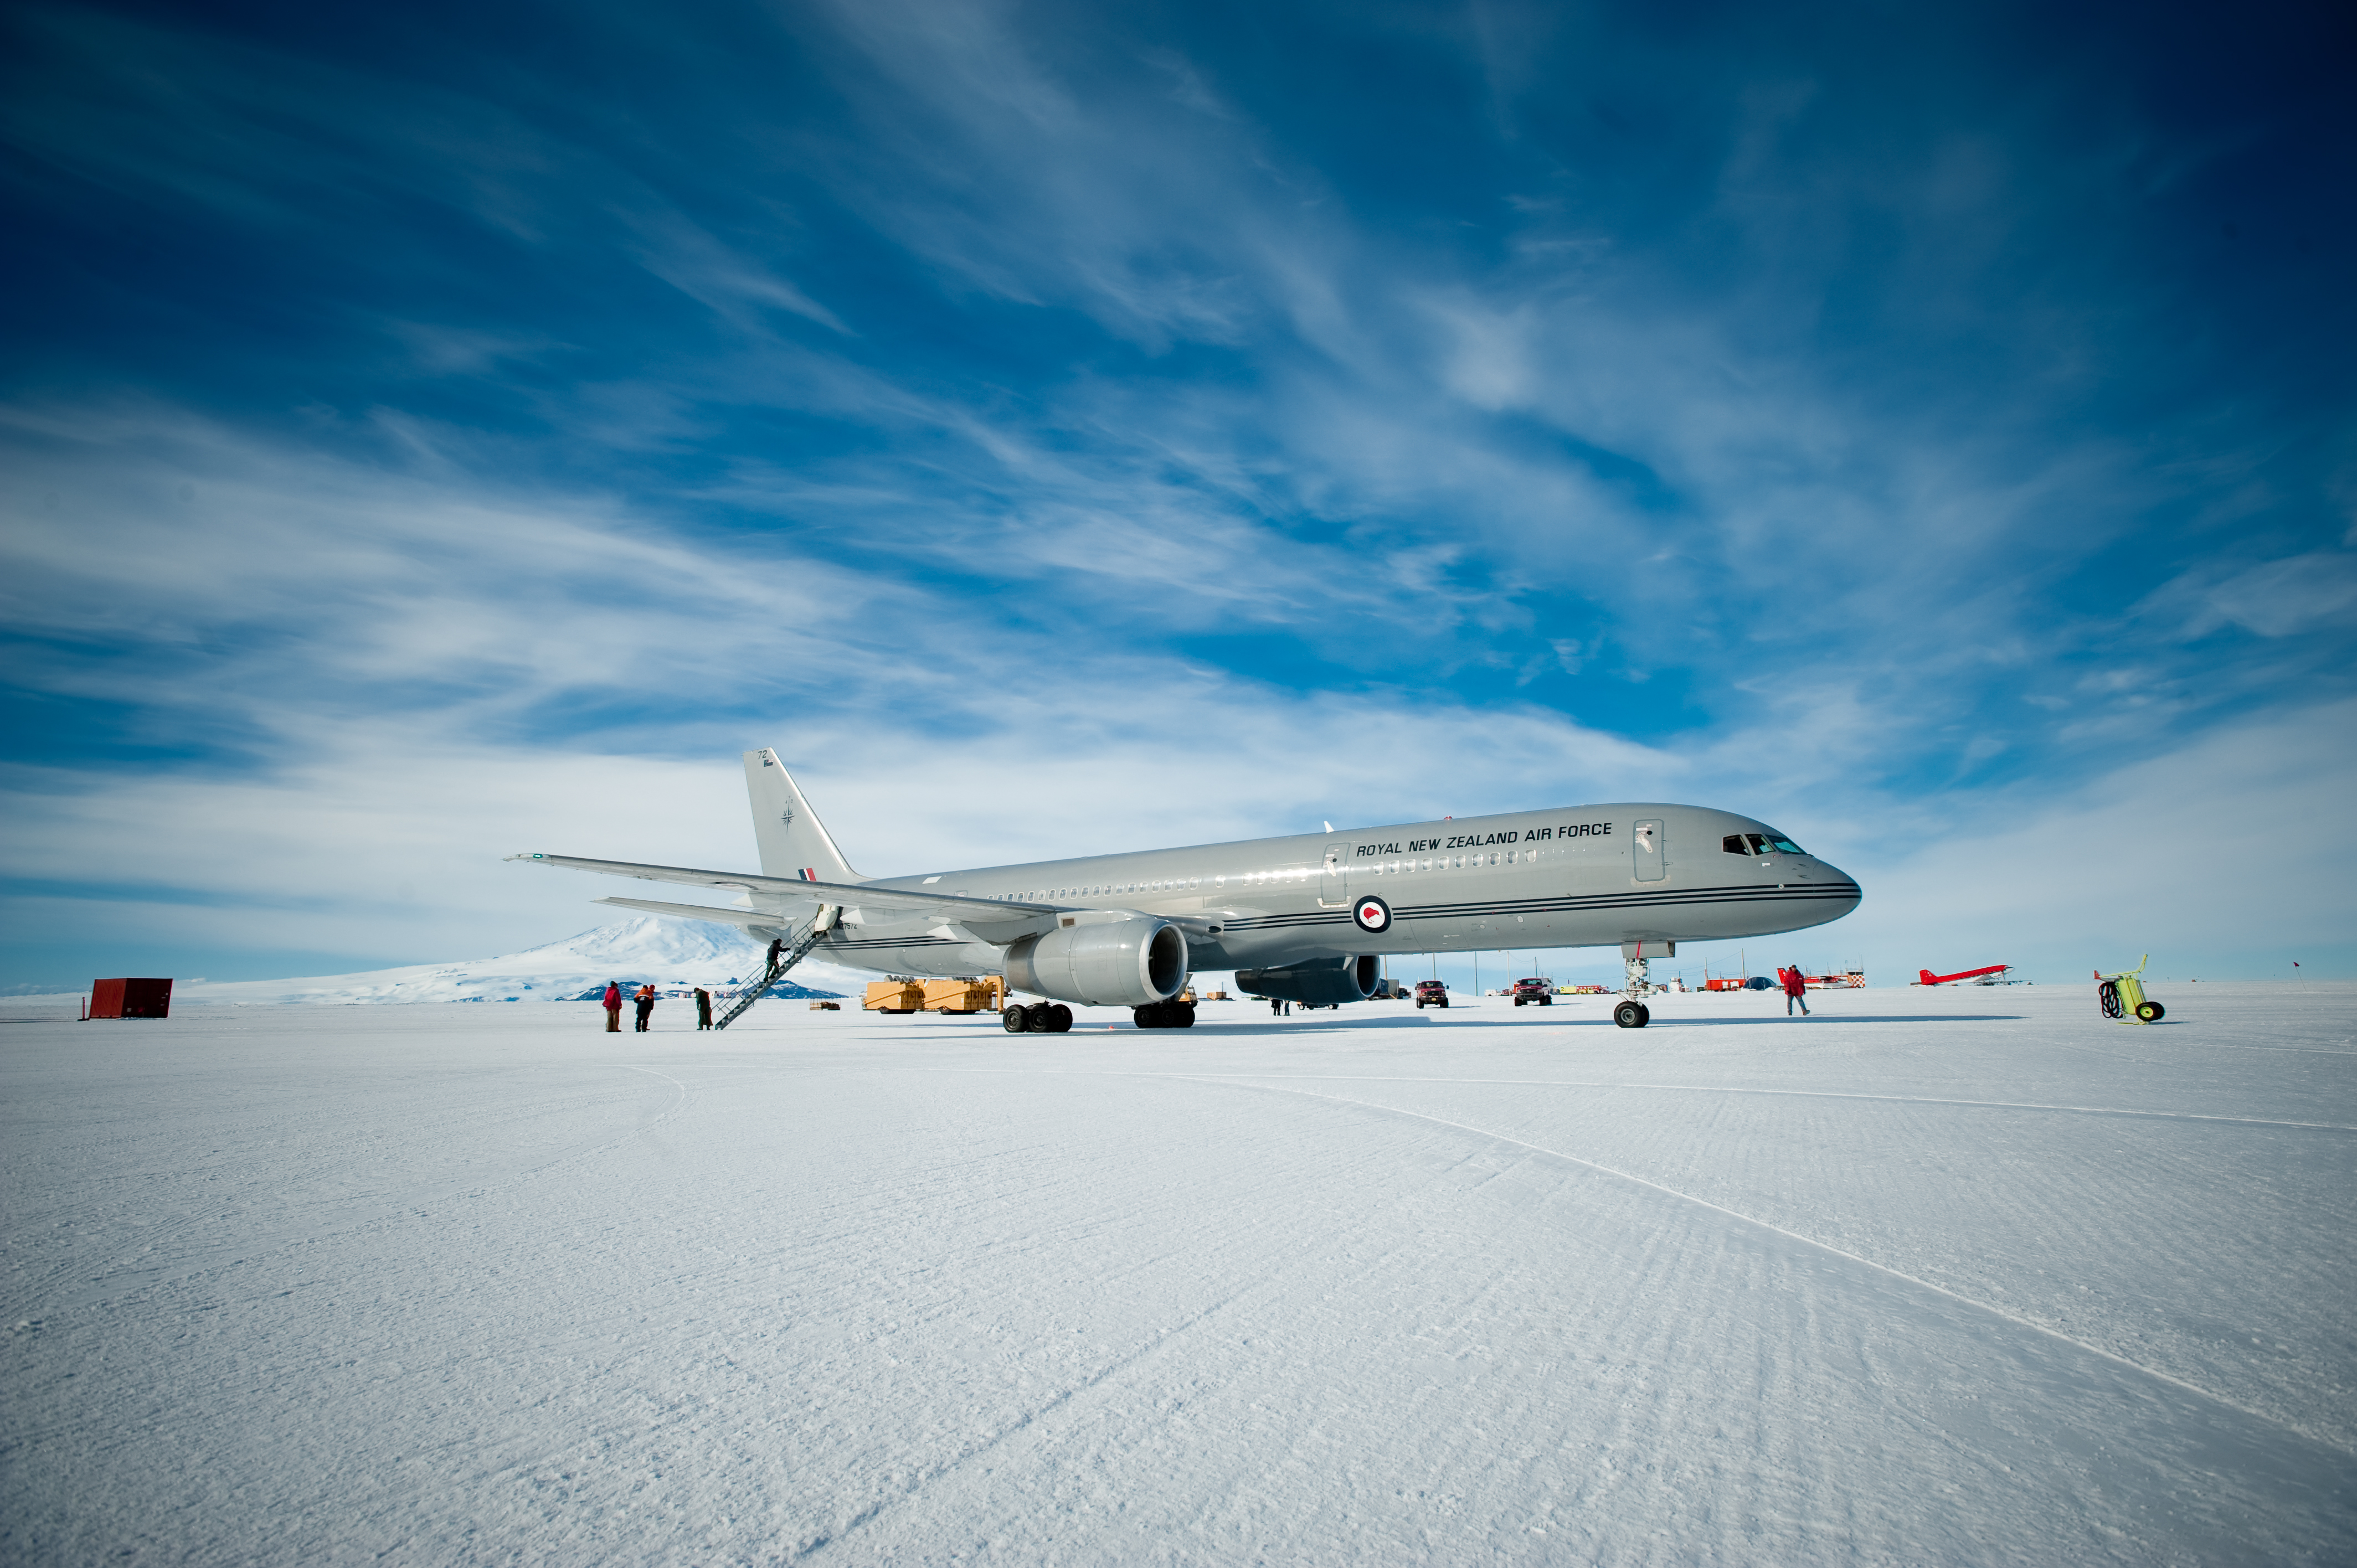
[
  {"x": 792, "y": 841},
  {"x": 1927, "y": 977}
]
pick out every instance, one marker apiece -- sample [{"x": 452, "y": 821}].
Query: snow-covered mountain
[{"x": 675, "y": 955}]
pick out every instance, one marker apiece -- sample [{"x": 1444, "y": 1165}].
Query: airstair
[{"x": 777, "y": 970}]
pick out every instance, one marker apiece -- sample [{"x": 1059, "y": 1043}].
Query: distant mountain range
[{"x": 676, "y": 956}]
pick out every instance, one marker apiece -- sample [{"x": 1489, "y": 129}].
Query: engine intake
[
  {"x": 1129, "y": 963},
  {"x": 1321, "y": 982}
]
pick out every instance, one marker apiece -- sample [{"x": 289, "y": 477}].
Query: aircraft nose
[{"x": 1835, "y": 874}]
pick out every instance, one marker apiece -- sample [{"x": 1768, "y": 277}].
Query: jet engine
[
  {"x": 1321, "y": 982},
  {"x": 1129, "y": 963}
]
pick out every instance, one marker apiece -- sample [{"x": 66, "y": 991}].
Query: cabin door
[
  {"x": 1334, "y": 878},
  {"x": 1645, "y": 851}
]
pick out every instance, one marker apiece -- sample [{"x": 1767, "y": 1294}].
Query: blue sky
[{"x": 444, "y": 432}]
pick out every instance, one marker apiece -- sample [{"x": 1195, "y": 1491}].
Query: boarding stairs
[{"x": 776, "y": 970}]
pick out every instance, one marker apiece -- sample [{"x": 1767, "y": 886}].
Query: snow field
[{"x": 1961, "y": 1275}]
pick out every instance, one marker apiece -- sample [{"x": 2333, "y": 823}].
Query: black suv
[
  {"x": 1431, "y": 994},
  {"x": 1535, "y": 989}
]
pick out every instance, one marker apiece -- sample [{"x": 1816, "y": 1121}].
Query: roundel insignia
[{"x": 1372, "y": 915}]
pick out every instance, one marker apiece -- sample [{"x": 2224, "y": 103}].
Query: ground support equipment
[
  {"x": 777, "y": 970},
  {"x": 2122, "y": 995}
]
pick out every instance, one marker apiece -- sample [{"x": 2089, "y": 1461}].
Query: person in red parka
[
  {"x": 613, "y": 1008},
  {"x": 1795, "y": 990}
]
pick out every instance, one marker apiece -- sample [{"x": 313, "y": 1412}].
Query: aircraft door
[
  {"x": 1646, "y": 852},
  {"x": 1334, "y": 879}
]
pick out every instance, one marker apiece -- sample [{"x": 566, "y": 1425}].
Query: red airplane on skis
[{"x": 1930, "y": 979}]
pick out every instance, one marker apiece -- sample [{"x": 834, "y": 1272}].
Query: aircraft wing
[{"x": 894, "y": 903}]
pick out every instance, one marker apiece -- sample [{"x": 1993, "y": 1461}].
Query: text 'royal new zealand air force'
[{"x": 1476, "y": 841}]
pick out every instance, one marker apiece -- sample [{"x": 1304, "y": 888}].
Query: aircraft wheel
[
  {"x": 2152, "y": 1012},
  {"x": 1628, "y": 1015},
  {"x": 1038, "y": 1019},
  {"x": 1186, "y": 1011},
  {"x": 1644, "y": 1014},
  {"x": 1148, "y": 1017},
  {"x": 1059, "y": 1019},
  {"x": 1014, "y": 1021}
]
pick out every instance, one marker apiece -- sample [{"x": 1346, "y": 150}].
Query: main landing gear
[
  {"x": 1039, "y": 1018},
  {"x": 1633, "y": 1014},
  {"x": 1165, "y": 1015}
]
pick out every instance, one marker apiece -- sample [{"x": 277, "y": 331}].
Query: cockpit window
[{"x": 1759, "y": 843}]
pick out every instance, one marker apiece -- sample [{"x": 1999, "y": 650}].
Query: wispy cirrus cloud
[{"x": 1874, "y": 419}]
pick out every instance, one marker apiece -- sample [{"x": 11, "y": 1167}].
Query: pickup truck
[
  {"x": 1537, "y": 989},
  {"x": 1431, "y": 994}
]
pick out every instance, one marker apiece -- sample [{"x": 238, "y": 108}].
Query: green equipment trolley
[{"x": 2123, "y": 996}]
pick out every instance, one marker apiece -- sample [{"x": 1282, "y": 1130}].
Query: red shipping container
[{"x": 130, "y": 998}]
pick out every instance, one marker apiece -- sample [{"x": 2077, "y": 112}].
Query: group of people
[{"x": 644, "y": 997}]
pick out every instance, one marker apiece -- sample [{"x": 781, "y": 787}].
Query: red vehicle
[
  {"x": 1537, "y": 989},
  {"x": 1431, "y": 994}
]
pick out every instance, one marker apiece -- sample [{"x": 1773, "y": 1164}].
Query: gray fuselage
[{"x": 1579, "y": 877}]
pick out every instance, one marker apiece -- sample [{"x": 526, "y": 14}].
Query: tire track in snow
[
  {"x": 952, "y": 1470},
  {"x": 1022, "y": 1424},
  {"x": 1998, "y": 1313},
  {"x": 1795, "y": 1093}
]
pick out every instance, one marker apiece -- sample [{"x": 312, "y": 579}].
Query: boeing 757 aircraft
[{"x": 1304, "y": 918}]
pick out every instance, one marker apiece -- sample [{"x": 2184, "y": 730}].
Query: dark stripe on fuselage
[{"x": 1689, "y": 898}]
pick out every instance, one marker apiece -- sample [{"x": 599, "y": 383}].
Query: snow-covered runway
[{"x": 1966, "y": 1275}]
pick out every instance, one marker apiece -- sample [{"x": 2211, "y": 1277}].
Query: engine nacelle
[
  {"x": 1127, "y": 962},
  {"x": 1321, "y": 982}
]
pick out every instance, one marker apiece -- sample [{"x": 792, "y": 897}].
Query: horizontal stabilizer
[
  {"x": 752, "y": 919},
  {"x": 864, "y": 896}
]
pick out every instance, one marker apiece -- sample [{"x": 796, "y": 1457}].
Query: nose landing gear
[{"x": 1632, "y": 1013}]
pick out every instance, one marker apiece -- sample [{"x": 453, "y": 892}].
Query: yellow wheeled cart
[{"x": 2123, "y": 996}]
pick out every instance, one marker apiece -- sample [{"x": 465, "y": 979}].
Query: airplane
[
  {"x": 1304, "y": 918},
  {"x": 1930, "y": 979}
]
